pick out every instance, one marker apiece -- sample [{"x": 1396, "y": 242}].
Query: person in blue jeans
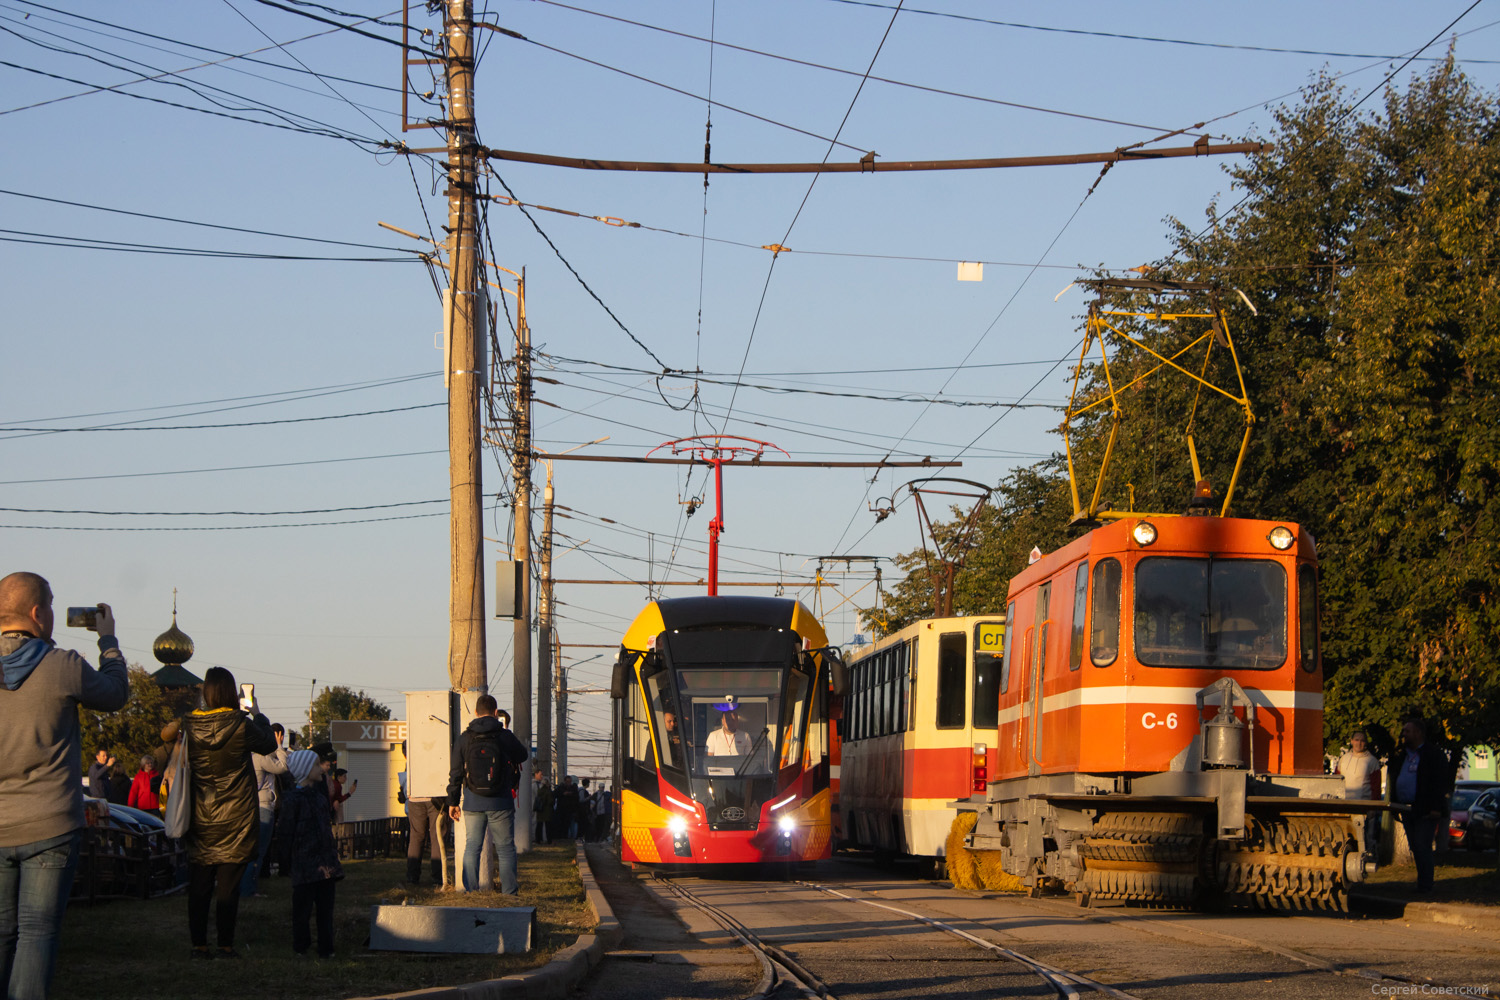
[
  {"x": 484, "y": 770},
  {"x": 41, "y": 773},
  {"x": 1419, "y": 780},
  {"x": 267, "y": 767}
]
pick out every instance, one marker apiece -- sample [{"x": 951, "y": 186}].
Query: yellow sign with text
[{"x": 989, "y": 637}]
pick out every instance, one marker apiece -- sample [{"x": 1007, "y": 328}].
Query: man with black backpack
[{"x": 485, "y": 769}]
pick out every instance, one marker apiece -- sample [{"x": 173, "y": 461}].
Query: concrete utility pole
[
  {"x": 466, "y": 617},
  {"x": 544, "y": 640},
  {"x": 521, "y": 713}
]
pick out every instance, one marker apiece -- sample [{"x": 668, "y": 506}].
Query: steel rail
[
  {"x": 1065, "y": 983},
  {"x": 778, "y": 965},
  {"x": 1177, "y": 932}
]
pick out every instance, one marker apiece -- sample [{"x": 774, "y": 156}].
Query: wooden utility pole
[
  {"x": 466, "y": 617},
  {"x": 521, "y": 471},
  {"x": 562, "y": 721},
  {"x": 544, "y": 641}
]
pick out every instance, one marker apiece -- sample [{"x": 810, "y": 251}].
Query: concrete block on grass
[{"x": 453, "y": 929}]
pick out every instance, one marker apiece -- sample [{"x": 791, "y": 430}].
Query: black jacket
[
  {"x": 226, "y": 813},
  {"x": 510, "y": 748},
  {"x": 1432, "y": 778},
  {"x": 306, "y": 835}
]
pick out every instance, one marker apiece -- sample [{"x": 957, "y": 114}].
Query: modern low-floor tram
[{"x": 721, "y": 732}]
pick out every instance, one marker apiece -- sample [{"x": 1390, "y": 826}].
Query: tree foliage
[
  {"x": 339, "y": 702},
  {"x": 1368, "y": 243},
  {"x": 134, "y": 730}
]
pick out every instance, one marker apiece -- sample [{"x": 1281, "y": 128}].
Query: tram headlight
[
  {"x": 1281, "y": 538},
  {"x": 786, "y": 825},
  {"x": 677, "y": 826},
  {"x": 1144, "y": 533}
]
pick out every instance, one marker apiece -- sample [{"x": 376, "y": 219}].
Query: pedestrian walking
[
  {"x": 41, "y": 781},
  {"x": 224, "y": 828},
  {"x": 482, "y": 777}
]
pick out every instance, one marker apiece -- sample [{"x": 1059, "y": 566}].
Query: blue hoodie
[
  {"x": 41, "y": 780},
  {"x": 20, "y": 664}
]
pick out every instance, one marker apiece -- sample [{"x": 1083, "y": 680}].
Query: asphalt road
[{"x": 860, "y": 951}]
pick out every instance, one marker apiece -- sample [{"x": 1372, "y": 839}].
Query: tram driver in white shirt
[{"x": 729, "y": 740}]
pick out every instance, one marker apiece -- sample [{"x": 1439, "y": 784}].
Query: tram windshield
[
  {"x": 1229, "y": 613},
  {"x": 731, "y": 711}
]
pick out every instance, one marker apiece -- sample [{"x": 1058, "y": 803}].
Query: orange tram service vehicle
[
  {"x": 721, "y": 711},
  {"x": 918, "y": 730},
  {"x": 1160, "y": 724}
]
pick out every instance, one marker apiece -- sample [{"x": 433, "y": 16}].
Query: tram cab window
[
  {"x": 1307, "y": 617},
  {"x": 1228, "y": 613},
  {"x": 989, "y": 647},
  {"x": 671, "y": 731},
  {"x": 1104, "y": 638},
  {"x": 952, "y": 679},
  {"x": 1010, "y": 622},
  {"x": 1080, "y": 607},
  {"x": 793, "y": 719}
]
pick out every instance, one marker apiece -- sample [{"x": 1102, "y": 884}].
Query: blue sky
[{"x": 866, "y": 302}]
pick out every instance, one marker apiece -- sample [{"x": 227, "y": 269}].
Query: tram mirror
[
  {"x": 838, "y": 674},
  {"x": 619, "y": 681}
]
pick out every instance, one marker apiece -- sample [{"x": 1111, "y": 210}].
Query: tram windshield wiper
[{"x": 765, "y": 731}]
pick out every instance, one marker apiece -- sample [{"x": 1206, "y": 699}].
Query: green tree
[
  {"x": 1368, "y": 243},
  {"x": 339, "y": 702},
  {"x": 135, "y": 729}
]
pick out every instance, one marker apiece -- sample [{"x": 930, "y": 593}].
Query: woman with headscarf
[{"x": 222, "y": 833}]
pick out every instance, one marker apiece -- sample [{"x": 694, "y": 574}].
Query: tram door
[{"x": 1037, "y": 668}]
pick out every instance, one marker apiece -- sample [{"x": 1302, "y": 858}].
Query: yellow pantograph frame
[{"x": 1097, "y": 330}]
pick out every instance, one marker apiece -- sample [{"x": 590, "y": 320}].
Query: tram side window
[
  {"x": 1080, "y": 605},
  {"x": 1307, "y": 617},
  {"x": 1104, "y": 641},
  {"x": 903, "y": 687},
  {"x": 952, "y": 679},
  {"x": 857, "y": 703},
  {"x": 989, "y": 644},
  {"x": 1010, "y": 622},
  {"x": 640, "y": 733},
  {"x": 888, "y": 691},
  {"x": 882, "y": 690},
  {"x": 867, "y": 715}
]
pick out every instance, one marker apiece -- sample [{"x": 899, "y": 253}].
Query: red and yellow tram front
[{"x": 725, "y": 737}]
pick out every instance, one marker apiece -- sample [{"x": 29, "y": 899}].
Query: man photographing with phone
[{"x": 41, "y": 781}]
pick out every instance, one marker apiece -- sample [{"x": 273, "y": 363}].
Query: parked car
[
  {"x": 1471, "y": 798},
  {"x": 1480, "y": 829}
]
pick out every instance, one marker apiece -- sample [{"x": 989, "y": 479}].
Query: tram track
[
  {"x": 1180, "y": 933},
  {"x": 781, "y": 968}
]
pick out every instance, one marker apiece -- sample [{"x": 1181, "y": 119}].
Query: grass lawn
[
  {"x": 122, "y": 950},
  {"x": 1460, "y": 877}
]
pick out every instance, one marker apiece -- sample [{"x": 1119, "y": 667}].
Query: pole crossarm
[
  {"x": 793, "y": 584},
  {"x": 925, "y": 463},
  {"x": 869, "y": 165}
]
